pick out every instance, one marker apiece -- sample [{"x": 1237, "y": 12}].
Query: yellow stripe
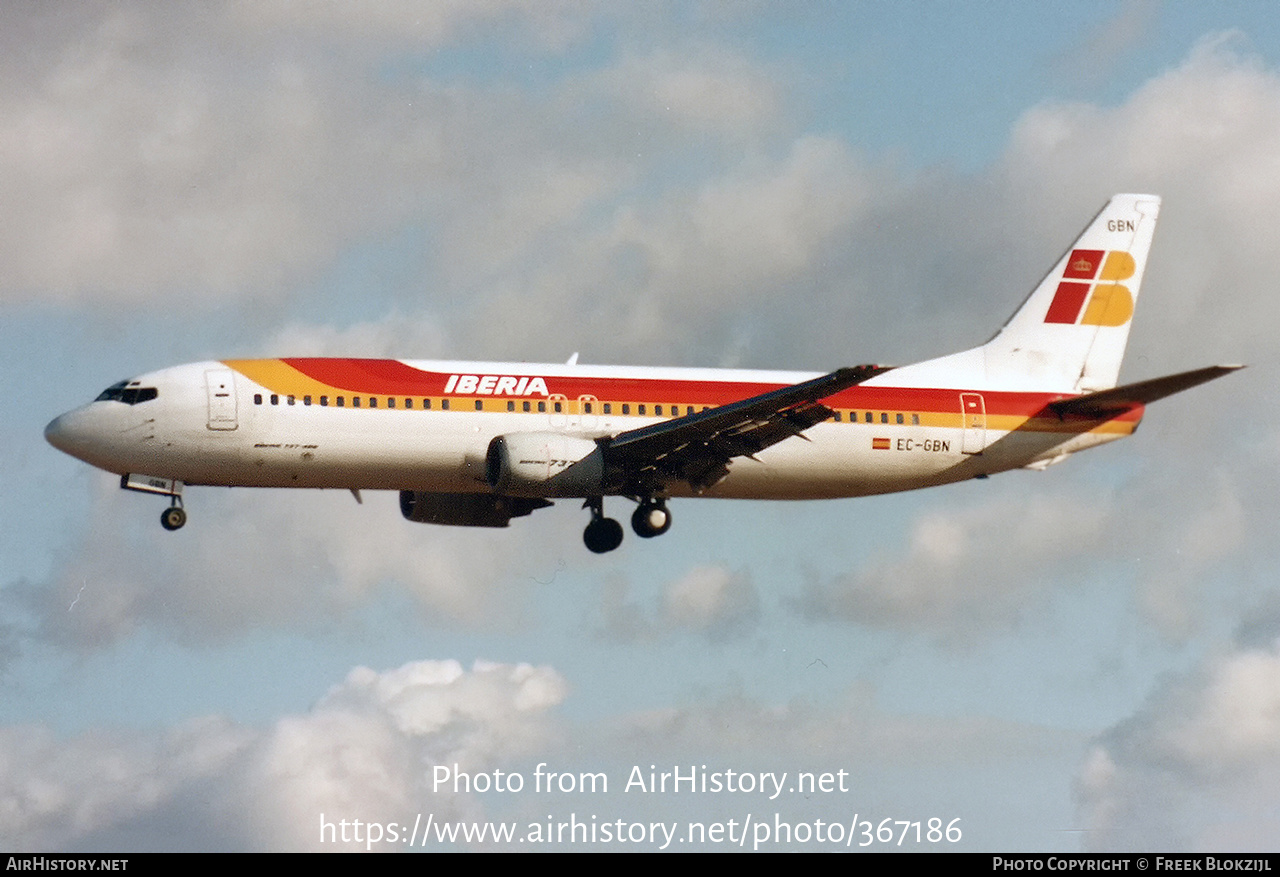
[{"x": 279, "y": 377}]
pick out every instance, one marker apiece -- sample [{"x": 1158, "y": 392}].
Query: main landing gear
[
  {"x": 602, "y": 534},
  {"x": 651, "y": 518}
]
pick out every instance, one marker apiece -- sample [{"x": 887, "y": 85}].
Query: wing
[{"x": 697, "y": 448}]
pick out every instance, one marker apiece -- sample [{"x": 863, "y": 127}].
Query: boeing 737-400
[{"x": 477, "y": 444}]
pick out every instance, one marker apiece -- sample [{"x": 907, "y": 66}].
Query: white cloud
[
  {"x": 547, "y": 245},
  {"x": 146, "y": 153},
  {"x": 1189, "y": 543},
  {"x": 703, "y": 89},
  {"x": 130, "y": 169},
  {"x": 395, "y": 337},
  {"x": 849, "y": 728},
  {"x": 1108, "y": 43},
  {"x": 969, "y": 572},
  {"x": 1196, "y": 768},
  {"x": 367, "y": 750},
  {"x": 551, "y": 24},
  {"x": 767, "y": 223},
  {"x": 275, "y": 558},
  {"x": 710, "y": 598},
  {"x": 669, "y": 272},
  {"x": 370, "y": 747},
  {"x": 1202, "y": 135}
]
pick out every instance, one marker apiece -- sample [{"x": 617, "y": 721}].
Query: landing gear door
[
  {"x": 220, "y": 384},
  {"x": 973, "y": 415}
]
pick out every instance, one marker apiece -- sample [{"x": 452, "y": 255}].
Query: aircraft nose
[
  {"x": 56, "y": 432},
  {"x": 67, "y": 433}
]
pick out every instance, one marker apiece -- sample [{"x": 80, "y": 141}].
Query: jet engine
[
  {"x": 465, "y": 509},
  {"x": 544, "y": 464}
]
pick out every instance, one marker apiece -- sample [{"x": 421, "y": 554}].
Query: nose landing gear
[{"x": 173, "y": 517}]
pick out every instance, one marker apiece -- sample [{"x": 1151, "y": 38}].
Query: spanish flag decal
[{"x": 879, "y": 444}]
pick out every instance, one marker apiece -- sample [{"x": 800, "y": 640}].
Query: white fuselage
[{"x": 212, "y": 424}]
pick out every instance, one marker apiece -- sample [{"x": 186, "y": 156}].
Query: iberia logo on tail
[{"x": 1092, "y": 277}]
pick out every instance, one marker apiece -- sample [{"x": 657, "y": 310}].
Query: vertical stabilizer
[{"x": 1070, "y": 334}]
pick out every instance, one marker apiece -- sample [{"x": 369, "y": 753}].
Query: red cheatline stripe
[{"x": 385, "y": 377}]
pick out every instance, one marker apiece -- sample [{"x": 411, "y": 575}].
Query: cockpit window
[{"x": 127, "y": 392}]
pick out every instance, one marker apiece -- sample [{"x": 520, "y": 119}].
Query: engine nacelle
[
  {"x": 465, "y": 509},
  {"x": 544, "y": 464}
]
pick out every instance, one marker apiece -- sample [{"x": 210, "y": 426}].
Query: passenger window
[
  {"x": 355, "y": 401},
  {"x": 657, "y": 409},
  {"x": 408, "y": 403},
  {"x": 479, "y": 404},
  {"x": 275, "y": 399},
  {"x": 391, "y": 401},
  {"x": 511, "y": 405},
  {"x": 608, "y": 408},
  {"x": 640, "y": 409},
  {"x": 838, "y": 417},
  {"x": 324, "y": 401},
  {"x": 291, "y": 400},
  {"x": 444, "y": 404},
  {"x": 426, "y": 404},
  {"x": 900, "y": 420},
  {"x": 586, "y": 407},
  {"x": 626, "y": 407},
  {"x": 373, "y": 401},
  {"x": 869, "y": 418},
  {"x": 525, "y": 406},
  {"x": 306, "y": 400},
  {"x": 542, "y": 406},
  {"x": 257, "y": 398},
  {"x": 884, "y": 417},
  {"x": 559, "y": 407},
  {"x": 915, "y": 419},
  {"x": 342, "y": 401}
]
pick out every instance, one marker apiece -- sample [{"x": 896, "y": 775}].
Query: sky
[{"x": 1081, "y": 659}]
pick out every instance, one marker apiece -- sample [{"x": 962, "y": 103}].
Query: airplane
[{"x": 479, "y": 443}]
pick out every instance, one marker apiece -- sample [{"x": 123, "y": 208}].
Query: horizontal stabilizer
[{"x": 1126, "y": 397}]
